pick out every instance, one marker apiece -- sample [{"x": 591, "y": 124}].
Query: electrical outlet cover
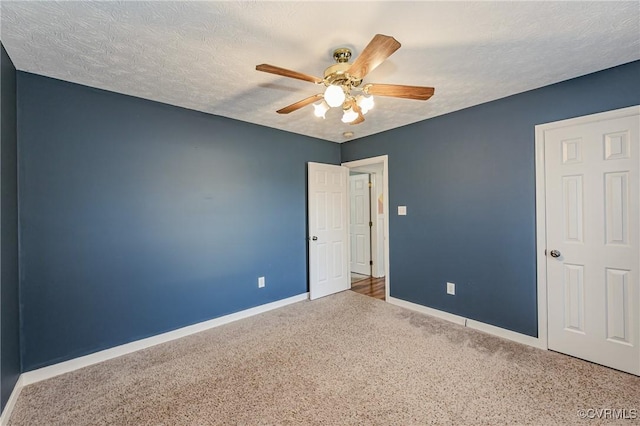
[{"x": 451, "y": 288}]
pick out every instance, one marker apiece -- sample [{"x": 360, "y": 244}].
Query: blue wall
[
  {"x": 9, "y": 306},
  {"x": 139, "y": 217},
  {"x": 467, "y": 179}
]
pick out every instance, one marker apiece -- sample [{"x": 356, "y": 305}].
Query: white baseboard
[
  {"x": 476, "y": 325},
  {"x": 94, "y": 358},
  {"x": 506, "y": 334},
  {"x": 11, "y": 402},
  {"x": 428, "y": 311}
]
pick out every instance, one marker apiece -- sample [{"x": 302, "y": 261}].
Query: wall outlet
[
  {"x": 402, "y": 210},
  {"x": 451, "y": 289},
  {"x": 261, "y": 282}
]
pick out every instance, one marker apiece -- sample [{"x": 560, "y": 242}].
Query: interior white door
[
  {"x": 328, "y": 229},
  {"x": 360, "y": 224},
  {"x": 592, "y": 214}
]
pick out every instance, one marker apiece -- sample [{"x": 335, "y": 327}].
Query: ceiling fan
[{"x": 343, "y": 81}]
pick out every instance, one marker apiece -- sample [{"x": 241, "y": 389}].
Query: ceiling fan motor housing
[{"x": 337, "y": 74}]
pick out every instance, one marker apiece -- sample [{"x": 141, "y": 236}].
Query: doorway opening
[{"x": 368, "y": 226}]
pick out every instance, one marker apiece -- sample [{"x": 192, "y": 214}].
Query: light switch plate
[{"x": 402, "y": 210}]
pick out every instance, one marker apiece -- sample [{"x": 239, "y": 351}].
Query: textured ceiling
[{"x": 202, "y": 55}]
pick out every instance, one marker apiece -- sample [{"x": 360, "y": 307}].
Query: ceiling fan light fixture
[
  {"x": 365, "y": 103},
  {"x": 334, "y": 95},
  {"x": 349, "y": 115},
  {"x": 343, "y": 80},
  {"x": 320, "y": 109}
]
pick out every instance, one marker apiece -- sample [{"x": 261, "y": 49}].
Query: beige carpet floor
[{"x": 344, "y": 359}]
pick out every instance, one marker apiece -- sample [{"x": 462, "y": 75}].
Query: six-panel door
[
  {"x": 592, "y": 216},
  {"x": 328, "y": 229}
]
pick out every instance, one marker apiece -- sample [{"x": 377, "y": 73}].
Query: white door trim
[
  {"x": 384, "y": 159},
  {"x": 541, "y": 221}
]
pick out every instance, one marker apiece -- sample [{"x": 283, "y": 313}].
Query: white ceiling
[{"x": 202, "y": 55}]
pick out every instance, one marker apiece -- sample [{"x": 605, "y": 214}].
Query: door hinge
[
  {"x": 370, "y": 185},
  {"x": 370, "y": 224},
  {"x": 371, "y": 263}
]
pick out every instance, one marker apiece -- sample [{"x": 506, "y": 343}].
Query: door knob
[
  {"x": 314, "y": 238},
  {"x": 555, "y": 253}
]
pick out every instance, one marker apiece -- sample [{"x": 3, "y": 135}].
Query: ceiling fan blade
[
  {"x": 399, "y": 91},
  {"x": 358, "y": 120},
  {"x": 378, "y": 49},
  {"x": 287, "y": 73},
  {"x": 357, "y": 109},
  {"x": 300, "y": 104}
]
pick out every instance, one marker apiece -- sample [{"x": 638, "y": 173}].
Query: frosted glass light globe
[
  {"x": 334, "y": 95},
  {"x": 349, "y": 115},
  {"x": 320, "y": 109},
  {"x": 365, "y": 103}
]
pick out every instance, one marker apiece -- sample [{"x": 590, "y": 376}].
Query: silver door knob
[
  {"x": 314, "y": 238},
  {"x": 555, "y": 253}
]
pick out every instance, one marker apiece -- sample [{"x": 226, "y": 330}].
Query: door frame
[
  {"x": 541, "y": 221},
  {"x": 376, "y": 161}
]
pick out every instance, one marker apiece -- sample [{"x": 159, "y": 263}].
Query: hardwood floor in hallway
[{"x": 369, "y": 286}]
